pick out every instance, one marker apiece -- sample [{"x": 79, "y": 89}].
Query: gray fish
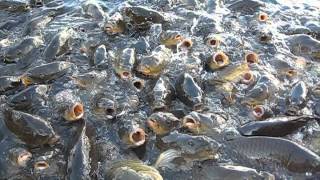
[
  {"x": 58, "y": 44},
  {"x": 192, "y": 148},
  {"x": 304, "y": 45},
  {"x": 188, "y": 91},
  {"x": 31, "y": 129},
  {"x": 162, "y": 94},
  {"x": 8, "y": 82},
  {"x": 276, "y": 127},
  {"x": 293, "y": 156},
  {"x": 213, "y": 171},
  {"x": 31, "y": 97},
  {"x": 23, "y": 48},
  {"x": 246, "y": 6},
  {"x": 45, "y": 73},
  {"x": 131, "y": 134},
  {"x": 15, "y": 5},
  {"x": 79, "y": 160}
]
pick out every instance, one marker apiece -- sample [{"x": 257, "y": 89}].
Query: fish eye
[{"x": 190, "y": 143}]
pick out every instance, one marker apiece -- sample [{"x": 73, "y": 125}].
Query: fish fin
[{"x": 166, "y": 157}]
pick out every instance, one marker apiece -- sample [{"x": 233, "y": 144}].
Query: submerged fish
[
  {"x": 291, "y": 155},
  {"x": 304, "y": 45},
  {"x": 122, "y": 170},
  {"x": 213, "y": 171}
]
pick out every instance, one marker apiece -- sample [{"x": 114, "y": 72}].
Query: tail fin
[{"x": 166, "y": 157}]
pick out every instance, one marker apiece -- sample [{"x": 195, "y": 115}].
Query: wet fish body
[
  {"x": 276, "y": 127},
  {"x": 294, "y": 157},
  {"x": 31, "y": 129},
  {"x": 45, "y": 73},
  {"x": 57, "y": 44},
  {"x": 8, "y": 82},
  {"x": 188, "y": 91},
  {"x": 79, "y": 160},
  {"x": 31, "y": 97}
]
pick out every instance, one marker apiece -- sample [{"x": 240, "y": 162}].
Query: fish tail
[{"x": 166, "y": 157}]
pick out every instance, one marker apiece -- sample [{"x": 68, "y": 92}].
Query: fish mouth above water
[
  {"x": 137, "y": 137},
  {"x": 75, "y": 112}
]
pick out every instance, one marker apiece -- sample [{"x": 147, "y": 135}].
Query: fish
[
  {"x": 304, "y": 45},
  {"x": 213, "y": 40},
  {"x": 138, "y": 83},
  {"x": 246, "y": 6},
  {"x": 298, "y": 96},
  {"x": 115, "y": 25},
  {"x": 192, "y": 148},
  {"x": 132, "y": 169},
  {"x": 231, "y": 73},
  {"x": 131, "y": 134},
  {"x": 20, "y": 156},
  {"x": 79, "y": 160},
  {"x": 9, "y": 82},
  {"x": 262, "y": 112},
  {"x": 68, "y": 105},
  {"x": 141, "y": 17},
  {"x": 22, "y": 48},
  {"x": 188, "y": 91},
  {"x": 89, "y": 79},
  {"x": 30, "y": 98},
  {"x": 100, "y": 56},
  {"x": 125, "y": 63},
  {"x": 14, "y": 5},
  {"x": 276, "y": 126},
  {"x": 162, "y": 94},
  {"x": 291, "y": 155},
  {"x": 154, "y": 64},
  {"x": 58, "y": 44},
  {"x": 31, "y": 129},
  {"x": 105, "y": 105},
  {"x": 163, "y": 123},
  {"x": 45, "y": 73},
  {"x": 213, "y": 171},
  {"x": 170, "y": 38},
  {"x": 93, "y": 10},
  {"x": 218, "y": 61},
  {"x": 34, "y": 26},
  {"x": 203, "y": 123}
]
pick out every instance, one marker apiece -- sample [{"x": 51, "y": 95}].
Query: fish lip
[
  {"x": 251, "y": 58},
  {"x": 247, "y": 80},
  {"x": 41, "y": 165},
  {"x": 75, "y": 112},
  {"x": 137, "y": 137},
  {"x": 189, "y": 122},
  {"x": 260, "y": 113}
]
